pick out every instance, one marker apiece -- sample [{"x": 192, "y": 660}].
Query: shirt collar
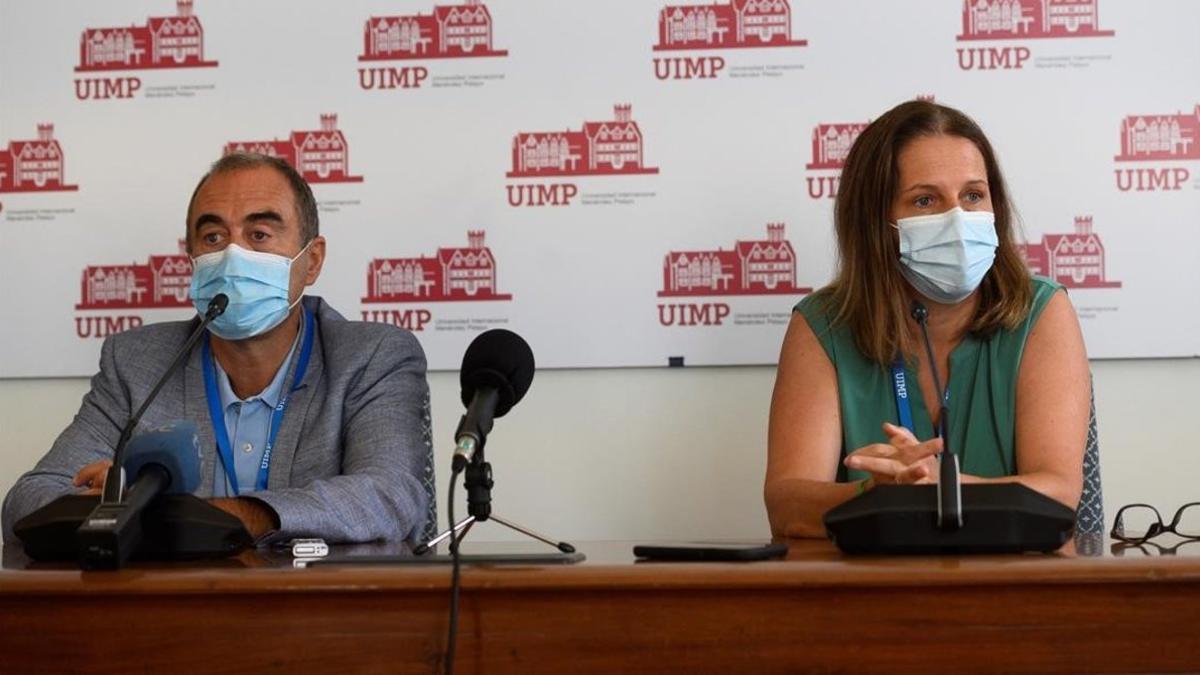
[{"x": 269, "y": 396}]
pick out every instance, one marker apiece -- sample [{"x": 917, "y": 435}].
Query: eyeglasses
[
  {"x": 1148, "y": 548},
  {"x": 1138, "y": 522}
]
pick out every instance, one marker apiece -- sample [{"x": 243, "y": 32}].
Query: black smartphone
[{"x": 710, "y": 551}]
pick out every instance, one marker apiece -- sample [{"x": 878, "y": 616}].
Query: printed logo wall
[{"x": 624, "y": 183}]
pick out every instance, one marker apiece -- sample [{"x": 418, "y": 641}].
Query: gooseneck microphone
[
  {"x": 109, "y": 535},
  {"x": 157, "y": 516},
  {"x": 948, "y": 517},
  {"x": 114, "y": 482},
  {"x": 949, "y": 479},
  {"x": 497, "y": 370}
]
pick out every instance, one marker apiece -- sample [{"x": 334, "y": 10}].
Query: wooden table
[{"x": 817, "y": 610}]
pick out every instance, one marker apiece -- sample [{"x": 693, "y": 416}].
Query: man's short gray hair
[{"x": 306, "y": 204}]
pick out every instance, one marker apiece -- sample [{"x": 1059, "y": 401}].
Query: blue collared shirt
[{"x": 248, "y": 423}]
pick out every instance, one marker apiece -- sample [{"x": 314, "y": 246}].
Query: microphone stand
[{"x": 478, "y": 481}]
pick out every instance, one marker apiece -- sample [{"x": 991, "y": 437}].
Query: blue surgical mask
[
  {"x": 257, "y": 285},
  {"x": 945, "y": 256}
]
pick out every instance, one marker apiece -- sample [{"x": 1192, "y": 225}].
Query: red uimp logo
[
  {"x": 163, "y": 282},
  {"x": 452, "y": 274},
  {"x": 756, "y": 267},
  {"x": 456, "y": 31},
  {"x": 601, "y": 148},
  {"x": 1007, "y": 20},
  {"x": 737, "y": 24},
  {"x": 1158, "y": 138},
  {"x": 163, "y": 42}
]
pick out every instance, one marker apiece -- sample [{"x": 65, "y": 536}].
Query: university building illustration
[
  {"x": 453, "y": 273},
  {"x": 728, "y": 25},
  {"x": 1073, "y": 259},
  {"x": 320, "y": 155},
  {"x": 163, "y": 42},
  {"x": 756, "y": 267},
  {"x": 605, "y": 147},
  {"x": 450, "y": 31}
]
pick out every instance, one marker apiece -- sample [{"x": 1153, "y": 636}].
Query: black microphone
[
  {"x": 497, "y": 370},
  {"x": 161, "y": 461},
  {"x": 114, "y": 482},
  {"x": 949, "y": 480}
]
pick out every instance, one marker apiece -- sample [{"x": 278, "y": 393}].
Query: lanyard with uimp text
[
  {"x": 903, "y": 407},
  {"x": 224, "y": 447}
]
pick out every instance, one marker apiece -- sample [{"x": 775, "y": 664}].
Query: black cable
[{"x": 452, "y": 638}]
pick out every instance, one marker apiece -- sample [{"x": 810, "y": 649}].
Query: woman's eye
[
  {"x": 974, "y": 197},
  {"x": 923, "y": 201}
]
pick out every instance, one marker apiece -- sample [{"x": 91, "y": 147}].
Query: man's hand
[
  {"x": 256, "y": 516},
  {"x": 903, "y": 459},
  {"x": 91, "y": 477}
]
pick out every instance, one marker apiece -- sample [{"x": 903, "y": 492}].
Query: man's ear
[{"x": 316, "y": 259}]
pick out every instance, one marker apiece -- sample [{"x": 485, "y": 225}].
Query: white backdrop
[{"x": 1072, "y": 114}]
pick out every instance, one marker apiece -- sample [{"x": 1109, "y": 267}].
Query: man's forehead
[{"x": 243, "y": 191}]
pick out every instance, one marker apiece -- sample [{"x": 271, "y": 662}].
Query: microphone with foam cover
[{"x": 496, "y": 372}]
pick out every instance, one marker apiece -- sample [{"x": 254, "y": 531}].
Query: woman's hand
[
  {"x": 902, "y": 460},
  {"x": 91, "y": 477}
]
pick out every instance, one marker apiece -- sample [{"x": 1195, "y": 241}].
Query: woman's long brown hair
[{"x": 868, "y": 293}]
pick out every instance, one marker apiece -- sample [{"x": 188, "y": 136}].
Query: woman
[{"x": 922, "y": 216}]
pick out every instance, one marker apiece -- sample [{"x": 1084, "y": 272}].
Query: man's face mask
[
  {"x": 257, "y": 285},
  {"x": 945, "y": 256}
]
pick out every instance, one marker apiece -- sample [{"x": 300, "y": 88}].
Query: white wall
[{"x": 657, "y": 453}]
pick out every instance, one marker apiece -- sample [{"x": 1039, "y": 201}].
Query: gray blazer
[{"x": 352, "y": 462}]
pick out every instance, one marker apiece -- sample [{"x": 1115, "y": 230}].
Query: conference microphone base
[
  {"x": 174, "y": 527},
  {"x": 996, "y": 518}
]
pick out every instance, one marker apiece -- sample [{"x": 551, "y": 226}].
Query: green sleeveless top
[{"x": 982, "y": 390}]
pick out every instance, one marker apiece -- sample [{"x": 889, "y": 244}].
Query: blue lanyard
[
  {"x": 900, "y": 385},
  {"x": 217, "y": 415}
]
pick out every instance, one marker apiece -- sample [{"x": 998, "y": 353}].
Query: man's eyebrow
[
  {"x": 267, "y": 216},
  {"x": 207, "y": 219}
]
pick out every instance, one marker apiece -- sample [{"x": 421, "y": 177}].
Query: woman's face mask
[{"x": 946, "y": 255}]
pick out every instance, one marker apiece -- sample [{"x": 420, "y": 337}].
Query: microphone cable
[{"x": 452, "y": 637}]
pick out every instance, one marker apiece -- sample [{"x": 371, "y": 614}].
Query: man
[{"x": 338, "y": 409}]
